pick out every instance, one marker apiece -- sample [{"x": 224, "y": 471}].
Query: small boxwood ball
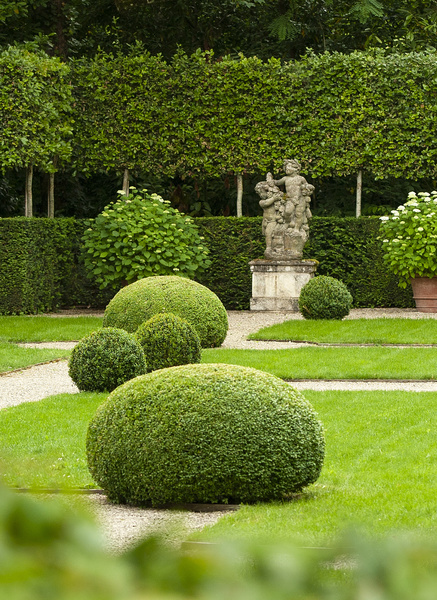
[
  {"x": 207, "y": 433},
  {"x": 168, "y": 341},
  {"x": 139, "y": 301},
  {"x": 325, "y": 298},
  {"x": 105, "y": 359}
]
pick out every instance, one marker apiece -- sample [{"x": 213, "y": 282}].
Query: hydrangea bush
[
  {"x": 141, "y": 235},
  {"x": 409, "y": 237}
]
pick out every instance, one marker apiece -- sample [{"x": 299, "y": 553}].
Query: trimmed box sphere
[
  {"x": 325, "y": 297},
  {"x": 207, "y": 433},
  {"x": 168, "y": 341},
  {"x": 139, "y": 301},
  {"x": 105, "y": 359}
]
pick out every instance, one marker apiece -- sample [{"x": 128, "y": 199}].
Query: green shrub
[
  {"x": 168, "y": 341},
  {"x": 141, "y": 235},
  {"x": 204, "y": 433},
  {"x": 187, "y": 299},
  {"x": 105, "y": 359},
  {"x": 324, "y": 298}
]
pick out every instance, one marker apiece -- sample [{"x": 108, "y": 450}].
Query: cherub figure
[
  {"x": 271, "y": 202},
  {"x": 293, "y": 183}
]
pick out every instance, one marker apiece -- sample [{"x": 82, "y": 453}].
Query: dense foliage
[
  {"x": 168, "y": 341},
  {"x": 409, "y": 237},
  {"x": 105, "y": 359},
  {"x": 324, "y": 298},
  {"x": 45, "y": 547},
  {"x": 195, "y": 116},
  {"x": 35, "y": 109},
  {"x": 142, "y": 235},
  {"x": 36, "y": 263},
  {"x": 41, "y": 268},
  {"x": 282, "y": 28},
  {"x": 204, "y": 433},
  {"x": 346, "y": 248},
  {"x": 139, "y": 301}
]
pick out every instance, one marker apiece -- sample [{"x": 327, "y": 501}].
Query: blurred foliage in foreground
[{"x": 47, "y": 552}]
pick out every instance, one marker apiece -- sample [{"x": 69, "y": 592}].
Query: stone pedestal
[{"x": 276, "y": 285}]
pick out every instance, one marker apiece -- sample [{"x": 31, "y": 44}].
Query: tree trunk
[
  {"x": 239, "y": 195},
  {"x": 359, "y": 190},
  {"x": 51, "y": 197},
  {"x": 126, "y": 182},
  {"x": 60, "y": 26},
  {"x": 28, "y": 208}
]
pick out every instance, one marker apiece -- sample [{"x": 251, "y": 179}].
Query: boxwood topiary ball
[
  {"x": 325, "y": 298},
  {"x": 105, "y": 359},
  {"x": 168, "y": 341},
  {"x": 204, "y": 433},
  {"x": 195, "y": 303}
]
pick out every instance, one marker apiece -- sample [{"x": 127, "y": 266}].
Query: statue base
[{"x": 276, "y": 284}]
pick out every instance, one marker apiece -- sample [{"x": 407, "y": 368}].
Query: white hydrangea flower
[
  {"x": 395, "y": 212},
  {"x": 416, "y": 210},
  {"x": 384, "y": 218},
  {"x": 420, "y": 229},
  {"x": 411, "y": 194}
]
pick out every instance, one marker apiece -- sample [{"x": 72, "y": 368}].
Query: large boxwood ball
[
  {"x": 168, "y": 341},
  {"x": 325, "y": 298},
  {"x": 204, "y": 433},
  {"x": 195, "y": 303},
  {"x": 105, "y": 359}
]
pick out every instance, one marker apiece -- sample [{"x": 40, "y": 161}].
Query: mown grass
[
  {"x": 334, "y": 363},
  {"x": 379, "y": 476},
  {"x": 354, "y": 331},
  {"x": 46, "y": 329},
  {"x": 42, "y": 444},
  {"x": 380, "y": 471},
  {"x": 15, "y": 357}
]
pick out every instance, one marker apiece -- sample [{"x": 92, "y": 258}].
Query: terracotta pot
[{"x": 425, "y": 293}]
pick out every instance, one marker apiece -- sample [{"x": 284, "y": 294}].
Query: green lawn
[
  {"x": 14, "y": 357},
  {"x": 334, "y": 363},
  {"x": 380, "y": 471},
  {"x": 46, "y": 329},
  {"x": 42, "y": 444},
  {"x": 380, "y": 474},
  {"x": 356, "y": 331}
]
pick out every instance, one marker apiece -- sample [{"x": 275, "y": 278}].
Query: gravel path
[{"x": 123, "y": 525}]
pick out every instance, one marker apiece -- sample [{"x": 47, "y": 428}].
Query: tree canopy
[{"x": 265, "y": 28}]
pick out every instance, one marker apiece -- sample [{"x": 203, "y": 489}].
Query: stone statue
[{"x": 286, "y": 214}]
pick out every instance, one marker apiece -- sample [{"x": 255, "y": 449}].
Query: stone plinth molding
[{"x": 276, "y": 285}]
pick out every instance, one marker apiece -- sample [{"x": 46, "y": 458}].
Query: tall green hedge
[
  {"x": 346, "y": 248},
  {"x": 41, "y": 269}
]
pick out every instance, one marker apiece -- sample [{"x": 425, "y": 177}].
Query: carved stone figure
[{"x": 286, "y": 214}]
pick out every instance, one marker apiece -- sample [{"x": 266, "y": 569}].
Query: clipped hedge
[
  {"x": 139, "y": 301},
  {"x": 204, "y": 433},
  {"x": 324, "y": 297},
  {"x": 40, "y": 267},
  {"x": 346, "y": 248},
  {"x": 168, "y": 341},
  {"x": 105, "y": 359}
]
